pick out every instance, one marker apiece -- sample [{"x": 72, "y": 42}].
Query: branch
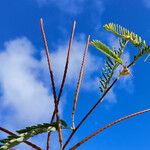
[
  {"x": 67, "y": 61},
  {"x": 66, "y": 67},
  {"x": 26, "y": 142},
  {"x": 107, "y": 126},
  {"x": 95, "y": 105},
  {"x": 64, "y": 78},
  {"x": 79, "y": 82},
  {"x": 52, "y": 82},
  {"x": 87, "y": 115},
  {"x": 48, "y": 59}
]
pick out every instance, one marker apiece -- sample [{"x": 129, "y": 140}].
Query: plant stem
[
  {"x": 52, "y": 82},
  {"x": 63, "y": 80},
  {"x": 90, "y": 111},
  {"x": 26, "y": 142},
  {"x": 67, "y": 61},
  {"x": 66, "y": 67},
  {"x": 79, "y": 81},
  {"x": 107, "y": 126},
  {"x": 95, "y": 105}
]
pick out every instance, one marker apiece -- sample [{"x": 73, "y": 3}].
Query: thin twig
[
  {"x": 52, "y": 82},
  {"x": 26, "y": 142},
  {"x": 66, "y": 65},
  {"x": 91, "y": 110},
  {"x": 79, "y": 81},
  {"x": 107, "y": 126},
  {"x": 64, "y": 78},
  {"x": 67, "y": 61}
]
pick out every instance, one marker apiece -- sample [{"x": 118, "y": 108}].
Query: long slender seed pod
[
  {"x": 107, "y": 126},
  {"x": 66, "y": 66},
  {"x": 79, "y": 82},
  {"x": 52, "y": 81},
  {"x": 63, "y": 80}
]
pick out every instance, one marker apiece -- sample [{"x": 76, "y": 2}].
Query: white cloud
[
  {"x": 146, "y": 3},
  {"x": 113, "y": 41},
  {"x": 92, "y": 64},
  {"x": 24, "y": 80},
  {"x": 73, "y": 6},
  {"x": 111, "y": 97},
  {"x": 126, "y": 82},
  {"x": 24, "y": 98},
  {"x": 70, "y": 6}
]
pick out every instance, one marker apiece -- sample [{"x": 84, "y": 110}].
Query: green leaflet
[
  {"x": 126, "y": 34},
  {"x": 129, "y": 36},
  {"x": 64, "y": 124},
  {"x": 110, "y": 67},
  {"x": 28, "y": 132},
  {"x": 143, "y": 52},
  {"x": 106, "y": 50},
  {"x": 147, "y": 58}
]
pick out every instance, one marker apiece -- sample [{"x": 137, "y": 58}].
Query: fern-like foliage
[
  {"x": 129, "y": 36},
  {"x": 143, "y": 52},
  {"x": 113, "y": 57},
  {"x": 147, "y": 58},
  {"x": 106, "y": 50},
  {"x": 28, "y": 132},
  {"x": 110, "y": 67},
  {"x": 126, "y": 35}
]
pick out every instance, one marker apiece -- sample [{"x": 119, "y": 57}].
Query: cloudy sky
[{"x": 25, "y": 91}]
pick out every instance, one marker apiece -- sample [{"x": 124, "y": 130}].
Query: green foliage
[
  {"x": 110, "y": 67},
  {"x": 126, "y": 35},
  {"x": 113, "y": 57},
  {"x": 147, "y": 58},
  {"x": 106, "y": 50},
  {"x": 143, "y": 52},
  {"x": 28, "y": 132}
]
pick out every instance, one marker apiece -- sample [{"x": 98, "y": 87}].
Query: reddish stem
[
  {"x": 79, "y": 82},
  {"x": 52, "y": 82},
  {"x": 26, "y": 142},
  {"x": 107, "y": 126},
  {"x": 63, "y": 80}
]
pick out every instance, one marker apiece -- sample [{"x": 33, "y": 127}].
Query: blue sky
[{"x": 25, "y": 94}]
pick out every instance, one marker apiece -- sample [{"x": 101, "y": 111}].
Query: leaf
[
  {"x": 110, "y": 67},
  {"x": 4, "y": 140},
  {"x": 39, "y": 126},
  {"x": 28, "y": 132},
  {"x": 147, "y": 58},
  {"x": 142, "y": 52},
  {"x": 106, "y": 50},
  {"x": 126, "y": 34},
  {"x": 64, "y": 124}
]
